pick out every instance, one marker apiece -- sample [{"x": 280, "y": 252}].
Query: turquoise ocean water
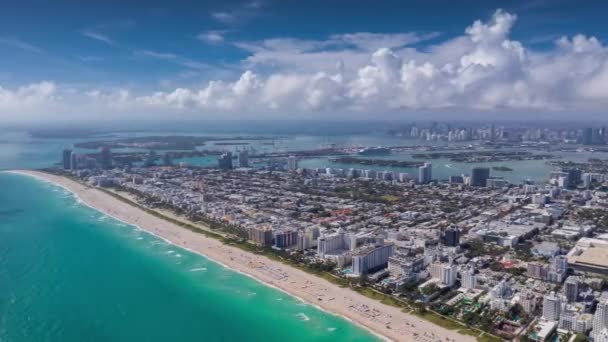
[{"x": 70, "y": 273}]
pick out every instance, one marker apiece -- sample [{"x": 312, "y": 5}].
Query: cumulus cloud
[
  {"x": 28, "y": 99},
  {"x": 367, "y": 74}
]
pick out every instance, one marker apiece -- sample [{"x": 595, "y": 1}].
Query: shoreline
[{"x": 384, "y": 321}]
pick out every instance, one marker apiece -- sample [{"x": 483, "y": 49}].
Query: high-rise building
[
  {"x": 537, "y": 270},
  {"x": 243, "y": 158},
  {"x": 587, "y": 179},
  {"x": 552, "y": 305},
  {"x": 479, "y": 176},
  {"x": 445, "y": 273},
  {"x": 308, "y": 238},
  {"x": 451, "y": 237},
  {"x": 571, "y": 289},
  {"x": 292, "y": 163},
  {"x": 500, "y": 290},
  {"x": 66, "y": 158},
  {"x": 167, "y": 161},
  {"x": 425, "y": 173},
  {"x": 573, "y": 177},
  {"x": 528, "y": 301},
  {"x": 150, "y": 159},
  {"x": 600, "y": 336},
  {"x": 371, "y": 258},
  {"x": 225, "y": 161},
  {"x": 596, "y": 137},
  {"x": 468, "y": 279},
  {"x": 74, "y": 161},
  {"x": 285, "y": 238},
  {"x": 600, "y": 318},
  {"x": 559, "y": 263},
  {"x": 106, "y": 158},
  {"x": 587, "y": 138},
  {"x": 261, "y": 236},
  {"x": 328, "y": 244}
]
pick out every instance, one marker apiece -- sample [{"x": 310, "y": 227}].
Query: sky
[{"x": 271, "y": 59}]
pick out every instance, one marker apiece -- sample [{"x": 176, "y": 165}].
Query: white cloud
[
  {"x": 369, "y": 74},
  {"x": 236, "y": 15},
  {"x": 27, "y": 100},
  {"x": 224, "y": 17},
  {"x": 95, "y": 35},
  {"x": 20, "y": 44},
  {"x": 173, "y": 58},
  {"x": 212, "y": 37}
]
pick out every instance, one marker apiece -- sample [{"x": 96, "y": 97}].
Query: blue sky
[{"x": 188, "y": 57}]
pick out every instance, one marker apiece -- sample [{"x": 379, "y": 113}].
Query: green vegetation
[
  {"x": 599, "y": 217},
  {"x": 429, "y": 289}
]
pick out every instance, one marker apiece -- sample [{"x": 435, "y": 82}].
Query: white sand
[{"x": 386, "y": 321}]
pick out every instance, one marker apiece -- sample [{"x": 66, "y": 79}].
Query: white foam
[
  {"x": 198, "y": 269},
  {"x": 303, "y": 317}
]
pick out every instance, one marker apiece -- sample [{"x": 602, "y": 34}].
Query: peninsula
[{"x": 390, "y": 322}]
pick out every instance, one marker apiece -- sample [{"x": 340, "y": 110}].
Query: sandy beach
[{"x": 386, "y": 321}]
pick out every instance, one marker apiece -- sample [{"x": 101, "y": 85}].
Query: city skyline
[{"x": 263, "y": 60}]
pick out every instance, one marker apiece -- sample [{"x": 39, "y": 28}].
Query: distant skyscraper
[
  {"x": 225, "y": 161},
  {"x": 479, "y": 176},
  {"x": 571, "y": 289},
  {"x": 67, "y": 158},
  {"x": 167, "y": 161},
  {"x": 106, "y": 158},
  {"x": 243, "y": 158},
  {"x": 292, "y": 163},
  {"x": 451, "y": 237},
  {"x": 150, "y": 159},
  {"x": 574, "y": 177},
  {"x": 425, "y": 173},
  {"x": 74, "y": 161},
  {"x": 587, "y": 179},
  {"x": 552, "y": 305},
  {"x": 587, "y": 138},
  {"x": 456, "y": 179},
  {"x": 559, "y": 263}
]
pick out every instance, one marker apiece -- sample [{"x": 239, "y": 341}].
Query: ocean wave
[
  {"x": 198, "y": 269},
  {"x": 303, "y": 317}
]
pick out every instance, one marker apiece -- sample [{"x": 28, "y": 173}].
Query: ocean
[{"x": 71, "y": 273}]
